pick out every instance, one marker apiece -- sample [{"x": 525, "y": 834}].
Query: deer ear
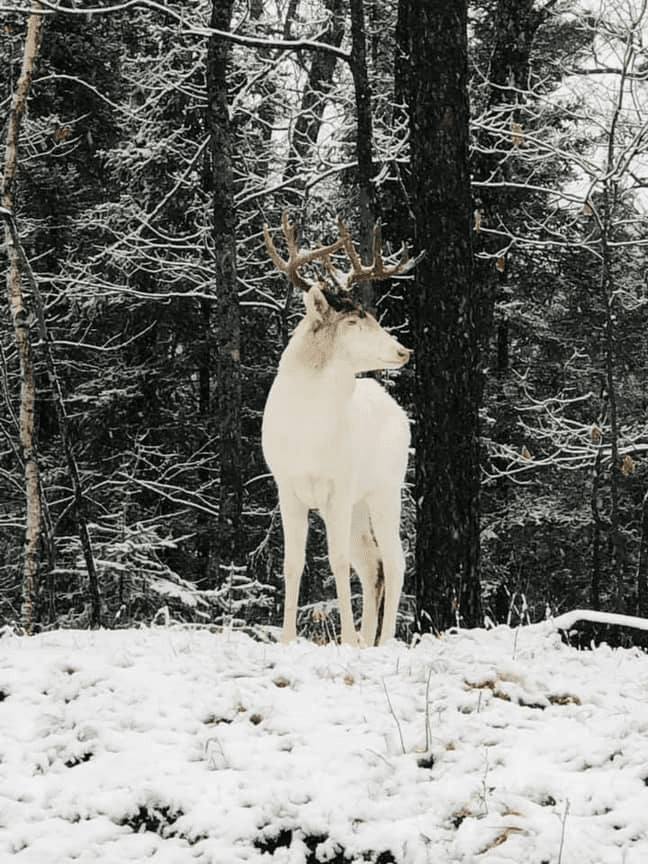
[{"x": 317, "y": 306}]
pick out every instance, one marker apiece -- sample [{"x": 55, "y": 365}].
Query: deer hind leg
[
  {"x": 365, "y": 559},
  {"x": 294, "y": 519},
  {"x": 384, "y": 509}
]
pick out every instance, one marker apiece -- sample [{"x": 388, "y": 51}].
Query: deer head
[{"x": 336, "y": 330}]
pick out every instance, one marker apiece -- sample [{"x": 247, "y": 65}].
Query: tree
[
  {"x": 318, "y": 86},
  {"x": 19, "y": 313},
  {"x": 444, "y": 313},
  {"x": 510, "y": 26},
  {"x": 227, "y": 326},
  {"x": 564, "y": 517}
]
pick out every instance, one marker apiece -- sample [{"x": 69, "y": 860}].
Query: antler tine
[
  {"x": 275, "y": 257},
  {"x": 376, "y": 271},
  {"x": 336, "y": 275},
  {"x": 297, "y": 259}
]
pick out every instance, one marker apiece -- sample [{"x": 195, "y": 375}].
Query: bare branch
[{"x": 236, "y": 38}]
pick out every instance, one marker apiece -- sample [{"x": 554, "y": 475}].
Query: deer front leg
[
  {"x": 338, "y": 532},
  {"x": 294, "y": 518}
]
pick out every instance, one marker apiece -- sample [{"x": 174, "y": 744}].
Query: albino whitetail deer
[{"x": 339, "y": 444}]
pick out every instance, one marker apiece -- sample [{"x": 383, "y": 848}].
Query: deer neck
[{"x": 310, "y": 364}]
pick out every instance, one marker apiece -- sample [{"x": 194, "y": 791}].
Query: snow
[
  {"x": 567, "y": 620},
  {"x": 177, "y": 745}
]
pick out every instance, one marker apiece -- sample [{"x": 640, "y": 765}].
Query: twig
[
  {"x": 484, "y": 795},
  {"x": 428, "y": 729},
  {"x": 398, "y": 726},
  {"x": 562, "y": 831}
]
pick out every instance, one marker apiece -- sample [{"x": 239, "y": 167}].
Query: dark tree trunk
[
  {"x": 364, "y": 144},
  {"x": 514, "y": 25},
  {"x": 610, "y": 300},
  {"x": 642, "y": 566},
  {"x": 598, "y": 530},
  {"x": 226, "y": 316},
  {"x": 204, "y": 530},
  {"x": 443, "y": 319},
  {"x": 318, "y": 86}
]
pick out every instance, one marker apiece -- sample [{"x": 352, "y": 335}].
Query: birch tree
[{"x": 20, "y": 318}]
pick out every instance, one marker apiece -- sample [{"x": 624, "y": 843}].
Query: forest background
[{"x": 157, "y": 142}]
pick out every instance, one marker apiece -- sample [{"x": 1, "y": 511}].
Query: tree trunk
[
  {"x": 515, "y": 24},
  {"x": 62, "y": 421},
  {"x": 31, "y": 562},
  {"x": 364, "y": 145},
  {"x": 204, "y": 530},
  {"x": 642, "y": 565},
  {"x": 618, "y": 546},
  {"x": 443, "y": 319},
  {"x": 598, "y": 530},
  {"x": 226, "y": 315},
  {"x": 318, "y": 86}
]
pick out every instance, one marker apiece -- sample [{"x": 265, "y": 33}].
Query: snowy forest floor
[{"x": 177, "y": 746}]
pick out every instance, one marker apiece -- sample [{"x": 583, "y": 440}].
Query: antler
[
  {"x": 297, "y": 259},
  {"x": 358, "y": 273},
  {"x": 376, "y": 271}
]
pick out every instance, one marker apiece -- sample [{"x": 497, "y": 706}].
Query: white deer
[{"x": 338, "y": 444}]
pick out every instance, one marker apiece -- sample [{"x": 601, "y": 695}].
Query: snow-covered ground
[{"x": 177, "y": 746}]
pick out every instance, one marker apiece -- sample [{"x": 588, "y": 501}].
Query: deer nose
[{"x": 404, "y": 354}]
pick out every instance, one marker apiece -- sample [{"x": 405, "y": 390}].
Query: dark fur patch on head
[{"x": 342, "y": 303}]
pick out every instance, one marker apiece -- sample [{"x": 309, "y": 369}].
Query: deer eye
[{"x": 351, "y": 321}]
